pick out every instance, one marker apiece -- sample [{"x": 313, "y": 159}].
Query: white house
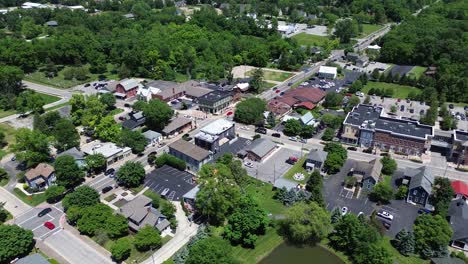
[
  {"x": 110, "y": 151},
  {"x": 30, "y": 5},
  {"x": 327, "y": 72}
]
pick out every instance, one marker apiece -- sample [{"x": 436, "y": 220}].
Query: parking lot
[
  {"x": 30, "y": 220},
  {"x": 274, "y": 166},
  {"x": 170, "y": 182}
]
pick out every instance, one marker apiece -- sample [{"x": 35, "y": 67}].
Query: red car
[
  {"x": 49, "y": 225},
  {"x": 277, "y": 91}
]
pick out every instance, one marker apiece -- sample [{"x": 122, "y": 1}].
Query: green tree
[
  {"x": 335, "y": 215},
  {"x": 257, "y": 80},
  {"x": 328, "y": 134},
  {"x": 404, "y": 242},
  {"x": 131, "y": 174},
  {"x": 250, "y": 111},
  {"x": 271, "y": 119},
  {"x": 448, "y": 123},
  {"x": 314, "y": 186},
  {"x": 367, "y": 100},
  {"x": 246, "y": 222},
  {"x": 14, "y": 242},
  {"x": 65, "y": 134},
  {"x": 54, "y": 193},
  {"x": 307, "y": 131},
  {"x": 353, "y": 101},
  {"x": 292, "y": 127},
  {"x": 355, "y": 87},
  {"x": 432, "y": 235},
  {"x": 108, "y": 129},
  {"x": 157, "y": 114},
  {"x": 393, "y": 109},
  {"x": 210, "y": 250},
  {"x": 402, "y": 192},
  {"x": 306, "y": 223},
  {"x": 121, "y": 249},
  {"x": 108, "y": 100},
  {"x": 95, "y": 162},
  {"x": 345, "y": 29},
  {"x": 133, "y": 139},
  {"x": 31, "y": 147},
  {"x": 3, "y": 213},
  {"x": 381, "y": 192},
  {"x": 442, "y": 193},
  {"x": 68, "y": 173},
  {"x": 332, "y": 120},
  {"x": 147, "y": 238},
  {"x": 29, "y": 101},
  {"x": 389, "y": 165},
  {"x": 83, "y": 196},
  {"x": 372, "y": 253},
  {"x": 333, "y": 99},
  {"x": 336, "y": 157}
]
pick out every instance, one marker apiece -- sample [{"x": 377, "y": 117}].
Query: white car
[
  {"x": 344, "y": 210},
  {"x": 385, "y": 214},
  {"x": 293, "y": 138},
  {"x": 248, "y": 164}
]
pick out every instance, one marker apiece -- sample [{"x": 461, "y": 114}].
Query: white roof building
[
  {"x": 374, "y": 47},
  {"x": 242, "y": 86},
  {"x": 328, "y": 72},
  {"x": 30, "y": 5},
  {"x": 109, "y": 150},
  {"x": 217, "y": 127}
]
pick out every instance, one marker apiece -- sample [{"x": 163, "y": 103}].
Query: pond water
[{"x": 292, "y": 254}]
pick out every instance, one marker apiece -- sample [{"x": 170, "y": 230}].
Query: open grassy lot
[
  {"x": 367, "y": 29},
  {"x": 399, "y": 91},
  {"x": 398, "y": 258},
  {"x": 10, "y": 133},
  {"x": 267, "y": 85},
  {"x": 310, "y": 40},
  {"x": 4, "y": 113},
  {"x": 272, "y": 76},
  {"x": 32, "y": 200},
  {"x": 263, "y": 193},
  {"x": 60, "y": 82},
  {"x": 297, "y": 168},
  {"x": 417, "y": 71},
  {"x": 48, "y": 99}
]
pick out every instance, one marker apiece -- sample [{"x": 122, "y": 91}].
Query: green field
[
  {"x": 398, "y": 258},
  {"x": 32, "y": 200},
  {"x": 48, "y": 99},
  {"x": 4, "y": 113},
  {"x": 10, "y": 133},
  {"x": 310, "y": 40},
  {"x": 399, "y": 91},
  {"x": 267, "y": 85},
  {"x": 416, "y": 72},
  {"x": 273, "y": 76},
  {"x": 367, "y": 29},
  {"x": 60, "y": 82},
  {"x": 263, "y": 193}
]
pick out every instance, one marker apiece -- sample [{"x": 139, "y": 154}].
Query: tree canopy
[
  {"x": 82, "y": 196},
  {"x": 14, "y": 242},
  {"x": 432, "y": 235},
  {"x": 31, "y": 146},
  {"x": 68, "y": 173},
  {"x": 250, "y": 111},
  {"x": 210, "y": 250},
  {"x": 131, "y": 174},
  {"x": 157, "y": 114}
]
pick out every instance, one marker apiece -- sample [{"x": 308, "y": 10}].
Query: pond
[{"x": 292, "y": 254}]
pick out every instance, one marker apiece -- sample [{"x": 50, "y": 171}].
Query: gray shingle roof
[
  {"x": 33, "y": 259},
  {"x": 370, "y": 169},
  {"x": 74, "y": 152},
  {"x": 175, "y": 124},
  {"x": 261, "y": 146},
  {"x": 150, "y": 134},
  {"x": 421, "y": 177},
  {"x": 317, "y": 155},
  {"x": 458, "y": 213},
  {"x": 191, "y": 150}
]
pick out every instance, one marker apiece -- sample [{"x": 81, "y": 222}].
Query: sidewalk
[{"x": 12, "y": 203}]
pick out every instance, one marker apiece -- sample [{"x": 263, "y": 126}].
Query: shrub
[
  {"x": 167, "y": 159},
  {"x": 121, "y": 249},
  {"x": 20, "y": 177}
]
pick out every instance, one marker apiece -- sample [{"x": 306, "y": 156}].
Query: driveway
[{"x": 404, "y": 215}]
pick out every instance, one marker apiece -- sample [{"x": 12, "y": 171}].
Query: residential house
[
  {"x": 168, "y": 91},
  {"x": 366, "y": 173},
  {"x": 420, "y": 185},
  {"x": 461, "y": 189},
  {"x": 140, "y": 213},
  {"x": 215, "y": 134},
  {"x": 129, "y": 16},
  {"x": 177, "y": 126},
  {"x": 362, "y": 61},
  {"x": 458, "y": 218},
  {"x": 315, "y": 159},
  {"x": 327, "y": 72},
  {"x": 111, "y": 152},
  {"x": 152, "y": 136},
  {"x": 368, "y": 127},
  {"x": 308, "y": 119},
  {"x": 146, "y": 93},
  {"x": 77, "y": 155},
  {"x": 35, "y": 258},
  {"x": 135, "y": 120},
  {"x": 41, "y": 177},
  {"x": 193, "y": 155},
  {"x": 127, "y": 88},
  {"x": 215, "y": 102},
  {"x": 260, "y": 148}
]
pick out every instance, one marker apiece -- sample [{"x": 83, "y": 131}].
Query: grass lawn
[
  {"x": 267, "y": 85},
  {"x": 138, "y": 189},
  {"x": 48, "y": 99},
  {"x": 399, "y": 91},
  {"x": 4, "y": 113},
  {"x": 297, "y": 168},
  {"x": 417, "y": 71},
  {"x": 367, "y": 29},
  {"x": 276, "y": 76},
  {"x": 10, "y": 133},
  {"x": 60, "y": 82},
  {"x": 32, "y": 200},
  {"x": 398, "y": 258},
  {"x": 4, "y": 181},
  {"x": 110, "y": 197},
  {"x": 56, "y": 107},
  {"x": 310, "y": 40},
  {"x": 263, "y": 193}
]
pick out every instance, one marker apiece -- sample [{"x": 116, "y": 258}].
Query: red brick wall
[
  {"x": 408, "y": 145},
  {"x": 130, "y": 93}
]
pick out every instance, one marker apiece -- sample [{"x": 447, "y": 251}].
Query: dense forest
[{"x": 437, "y": 37}]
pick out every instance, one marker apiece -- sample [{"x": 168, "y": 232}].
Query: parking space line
[
  {"x": 26, "y": 220},
  {"x": 57, "y": 209}
]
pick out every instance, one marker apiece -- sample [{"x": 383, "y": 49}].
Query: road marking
[
  {"x": 55, "y": 229},
  {"x": 27, "y": 220}
]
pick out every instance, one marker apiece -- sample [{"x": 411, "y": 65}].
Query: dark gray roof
[
  {"x": 369, "y": 117},
  {"x": 74, "y": 152},
  {"x": 421, "y": 177},
  {"x": 175, "y": 124},
  {"x": 213, "y": 97},
  {"x": 33, "y": 259},
  {"x": 458, "y": 213},
  {"x": 370, "y": 169},
  {"x": 459, "y": 208},
  {"x": 317, "y": 155},
  {"x": 261, "y": 147},
  {"x": 132, "y": 124},
  {"x": 447, "y": 260},
  {"x": 191, "y": 150},
  {"x": 461, "y": 135}
]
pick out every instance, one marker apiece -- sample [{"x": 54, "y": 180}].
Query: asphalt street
[{"x": 30, "y": 220}]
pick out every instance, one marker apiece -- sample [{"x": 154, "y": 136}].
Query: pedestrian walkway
[{"x": 13, "y": 204}]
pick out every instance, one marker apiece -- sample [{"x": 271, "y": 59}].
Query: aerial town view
[{"x": 234, "y": 131}]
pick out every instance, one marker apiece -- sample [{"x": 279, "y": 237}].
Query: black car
[
  {"x": 109, "y": 171},
  {"x": 44, "y": 212},
  {"x": 87, "y": 85},
  {"x": 278, "y": 135},
  {"x": 261, "y": 130},
  {"x": 107, "y": 189},
  {"x": 465, "y": 108},
  {"x": 127, "y": 105},
  {"x": 451, "y": 106}
]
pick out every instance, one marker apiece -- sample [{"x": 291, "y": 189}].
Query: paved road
[
  {"x": 64, "y": 93},
  {"x": 12, "y": 204}
]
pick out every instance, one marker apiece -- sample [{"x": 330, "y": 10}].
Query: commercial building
[
  {"x": 217, "y": 133},
  {"x": 327, "y": 72},
  {"x": 110, "y": 151},
  {"x": 260, "y": 148},
  {"x": 193, "y": 155},
  {"x": 177, "y": 126},
  {"x": 294, "y": 98},
  {"x": 165, "y": 90},
  {"x": 214, "y": 102},
  {"x": 127, "y": 88},
  {"x": 368, "y": 127}
]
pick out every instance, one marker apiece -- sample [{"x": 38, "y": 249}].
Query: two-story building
[
  {"x": 215, "y": 134},
  {"x": 458, "y": 219},
  {"x": 315, "y": 159},
  {"x": 367, "y": 173},
  {"x": 193, "y": 155},
  {"x": 135, "y": 120},
  {"x": 420, "y": 185},
  {"x": 111, "y": 152},
  {"x": 127, "y": 88},
  {"x": 140, "y": 213},
  {"x": 41, "y": 177},
  {"x": 214, "y": 102},
  {"x": 460, "y": 147}
]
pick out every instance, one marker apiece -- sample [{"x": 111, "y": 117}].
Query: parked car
[
  {"x": 303, "y": 140},
  {"x": 290, "y": 83},
  {"x": 424, "y": 211},
  {"x": 292, "y": 160},
  {"x": 278, "y": 135},
  {"x": 385, "y": 214},
  {"x": 44, "y": 212},
  {"x": 277, "y": 91},
  {"x": 13, "y": 158},
  {"x": 261, "y": 130},
  {"x": 465, "y": 108},
  {"x": 281, "y": 93},
  {"x": 127, "y": 105},
  {"x": 248, "y": 164},
  {"x": 360, "y": 213},
  {"x": 109, "y": 171},
  {"x": 451, "y": 106},
  {"x": 87, "y": 85},
  {"x": 49, "y": 225},
  {"x": 89, "y": 140},
  {"x": 344, "y": 210},
  {"x": 122, "y": 118},
  {"x": 352, "y": 148},
  {"x": 107, "y": 189},
  {"x": 293, "y": 138}
]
